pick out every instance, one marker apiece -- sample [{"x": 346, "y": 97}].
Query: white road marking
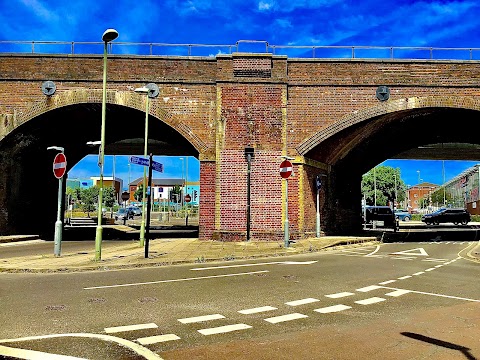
[
  {"x": 174, "y": 280},
  {"x": 283, "y": 318},
  {"x": 257, "y": 310},
  {"x": 437, "y": 266},
  {"x": 405, "y": 277},
  {"x": 116, "y": 329},
  {"x": 201, "y": 318},
  {"x": 21, "y": 243},
  {"x": 339, "y": 295},
  {"x": 434, "y": 260},
  {"x": 140, "y": 350},
  {"x": 33, "y": 355},
  {"x": 157, "y": 339},
  {"x": 387, "y": 282},
  {"x": 430, "y": 269},
  {"x": 418, "y": 273},
  {"x": 403, "y": 258},
  {"x": 398, "y": 293},
  {"x": 256, "y": 264},
  {"x": 369, "y": 301},
  {"x": 433, "y": 294},
  {"x": 301, "y": 302},
  {"x": 377, "y": 248},
  {"x": 224, "y": 329},
  {"x": 334, "y": 308},
  {"x": 369, "y": 288},
  {"x": 417, "y": 252}
]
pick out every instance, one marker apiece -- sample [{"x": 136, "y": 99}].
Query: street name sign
[{"x": 146, "y": 162}]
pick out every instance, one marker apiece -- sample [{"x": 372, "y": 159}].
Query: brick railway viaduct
[{"x": 324, "y": 113}]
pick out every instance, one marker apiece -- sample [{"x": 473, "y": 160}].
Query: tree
[
  {"x": 138, "y": 195},
  {"x": 89, "y": 198},
  {"x": 388, "y": 184}
]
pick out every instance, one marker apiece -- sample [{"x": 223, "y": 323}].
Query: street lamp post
[
  {"x": 150, "y": 92},
  {"x": 108, "y": 35}
]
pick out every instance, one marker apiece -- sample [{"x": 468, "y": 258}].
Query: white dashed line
[
  {"x": 437, "y": 266},
  {"x": 283, "y": 318},
  {"x": 387, "y": 282},
  {"x": 339, "y": 295},
  {"x": 419, "y": 273},
  {"x": 257, "y": 310},
  {"x": 224, "y": 329},
  {"x": 369, "y": 301},
  {"x": 434, "y": 260},
  {"x": 116, "y": 329},
  {"x": 201, "y": 318},
  {"x": 405, "y": 277},
  {"x": 430, "y": 269},
  {"x": 157, "y": 339},
  {"x": 334, "y": 308},
  {"x": 369, "y": 288},
  {"x": 398, "y": 293},
  {"x": 301, "y": 302}
]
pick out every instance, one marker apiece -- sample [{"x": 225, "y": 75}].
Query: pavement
[{"x": 164, "y": 251}]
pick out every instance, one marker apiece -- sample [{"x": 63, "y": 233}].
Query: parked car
[
  {"x": 403, "y": 215},
  {"x": 135, "y": 209},
  {"x": 444, "y": 215},
  {"x": 123, "y": 214},
  {"x": 379, "y": 213}
]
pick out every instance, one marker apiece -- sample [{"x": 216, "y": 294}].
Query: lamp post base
[{"x": 98, "y": 243}]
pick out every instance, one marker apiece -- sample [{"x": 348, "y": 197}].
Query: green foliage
[
  {"x": 387, "y": 182},
  {"x": 109, "y": 197},
  {"x": 89, "y": 198},
  {"x": 138, "y": 195}
]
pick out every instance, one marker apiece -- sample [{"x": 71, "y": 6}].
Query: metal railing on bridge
[{"x": 245, "y": 46}]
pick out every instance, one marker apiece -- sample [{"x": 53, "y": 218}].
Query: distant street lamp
[
  {"x": 151, "y": 90},
  {"x": 108, "y": 35}
]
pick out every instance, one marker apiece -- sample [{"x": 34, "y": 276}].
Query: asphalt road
[{"x": 392, "y": 301}]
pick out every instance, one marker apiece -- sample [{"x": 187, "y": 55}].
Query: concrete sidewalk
[
  {"x": 168, "y": 251},
  {"x": 129, "y": 253}
]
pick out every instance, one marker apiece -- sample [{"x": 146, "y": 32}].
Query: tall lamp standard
[
  {"x": 151, "y": 90},
  {"x": 108, "y": 35}
]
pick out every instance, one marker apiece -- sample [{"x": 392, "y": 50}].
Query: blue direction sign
[{"x": 145, "y": 162}]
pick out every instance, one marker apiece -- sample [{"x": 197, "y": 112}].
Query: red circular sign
[
  {"x": 59, "y": 165},
  {"x": 286, "y": 169},
  {"x": 187, "y": 198}
]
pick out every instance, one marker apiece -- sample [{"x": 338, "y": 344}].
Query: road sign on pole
[
  {"x": 286, "y": 169},
  {"x": 187, "y": 198},
  {"x": 59, "y": 165},
  {"x": 146, "y": 162}
]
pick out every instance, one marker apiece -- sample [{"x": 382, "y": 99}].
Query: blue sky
[{"x": 280, "y": 22}]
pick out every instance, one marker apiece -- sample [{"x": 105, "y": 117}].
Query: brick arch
[
  {"x": 123, "y": 98},
  {"x": 384, "y": 108}
]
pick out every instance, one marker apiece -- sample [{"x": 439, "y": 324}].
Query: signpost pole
[
  {"x": 149, "y": 196},
  {"x": 59, "y": 169},
  {"x": 58, "y": 223},
  {"x": 287, "y": 235}
]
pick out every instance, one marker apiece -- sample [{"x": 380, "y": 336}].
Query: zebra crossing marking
[
  {"x": 116, "y": 329},
  {"x": 301, "y": 302},
  {"x": 257, "y": 310},
  {"x": 157, "y": 339},
  {"x": 333, "y": 308},
  {"x": 201, "y": 318},
  {"x": 283, "y": 318},
  {"x": 224, "y": 329},
  {"x": 369, "y": 301}
]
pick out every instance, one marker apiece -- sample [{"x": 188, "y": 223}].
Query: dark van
[{"x": 379, "y": 213}]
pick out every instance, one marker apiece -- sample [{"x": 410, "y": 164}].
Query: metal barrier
[{"x": 245, "y": 46}]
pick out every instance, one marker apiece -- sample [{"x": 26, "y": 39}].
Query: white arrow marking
[{"x": 417, "y": 252}]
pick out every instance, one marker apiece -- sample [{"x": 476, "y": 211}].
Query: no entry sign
[
  {"x": 59, "y": 165},
  {"x": 285, "y": 169}
]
